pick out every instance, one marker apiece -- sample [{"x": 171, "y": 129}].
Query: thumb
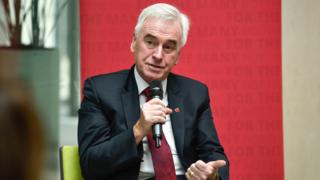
[{"x": 217, "y": 163}]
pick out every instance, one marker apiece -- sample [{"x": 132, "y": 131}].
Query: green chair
[{"x": 70, "y": 163}]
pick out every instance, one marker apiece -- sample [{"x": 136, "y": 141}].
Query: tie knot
[{"x": 147, "y": 93}]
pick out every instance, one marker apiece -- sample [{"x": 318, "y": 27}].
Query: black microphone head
[{"x": 156, "y": 89}]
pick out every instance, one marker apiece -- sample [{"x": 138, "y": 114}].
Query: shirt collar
[{"x": 142, "y": 84}]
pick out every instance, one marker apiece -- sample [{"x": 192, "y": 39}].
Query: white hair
[{"x": 165, "y": 12}]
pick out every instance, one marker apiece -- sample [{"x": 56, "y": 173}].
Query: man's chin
[{"x": 154, "y": 77}]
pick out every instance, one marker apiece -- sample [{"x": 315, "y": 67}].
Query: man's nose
[{"x": 158, "y": 52}]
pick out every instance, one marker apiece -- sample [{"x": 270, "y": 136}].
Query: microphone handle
[
  {"x": 157, "y": 134},
  {"x": 157, "y": 131}
]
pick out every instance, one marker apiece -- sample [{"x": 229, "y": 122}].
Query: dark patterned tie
[{"x": 161, "y": 157}]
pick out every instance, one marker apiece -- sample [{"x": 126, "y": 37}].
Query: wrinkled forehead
[{"x": 170, "y": 28}]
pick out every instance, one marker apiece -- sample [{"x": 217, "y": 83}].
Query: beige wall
[{"x": 301, "y": 88}]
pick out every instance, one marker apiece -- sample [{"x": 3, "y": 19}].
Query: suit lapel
[
  {"x": 131, "y": 108},
  {"x": 177, "y": 117},
  {"x": 130, "y": 102}
]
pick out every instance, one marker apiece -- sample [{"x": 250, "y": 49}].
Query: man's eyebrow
[
  {"x": 168, "y": 41},
  {"x": 150, "y": 36},
  {"x": 172, "y": 41}
]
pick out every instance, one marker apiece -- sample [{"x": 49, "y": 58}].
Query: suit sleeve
[
  {"x": 101, "y": 152},
  {"x": 208, "y": 144}
]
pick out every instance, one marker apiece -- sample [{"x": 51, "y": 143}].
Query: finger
[
  {"x": 204, "y": 168},
  {"x": 187, "y": 176},
  {"x": 154, "y": 115},
  {"x": 158, "y": 108},
  {"x": 200, "y": 164},
  {"x": 153, "y": 106},
  {"x": 164, "y": 110},
  {"x": 153, "y": 112},
  {"x": 168, "y": 110},
  {"x": 190, "y": 174},
  {"x": 157, "y": 112},
  {"x": 217, "y": 164},
  {"x": 158, "y": 119},
  {"x": 157, "y": 101},
  {"x": 198, "y": 174}
]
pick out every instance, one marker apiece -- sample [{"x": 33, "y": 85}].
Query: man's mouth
[{"x": 155, "y": 66}]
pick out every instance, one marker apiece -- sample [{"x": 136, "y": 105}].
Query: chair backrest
[{"x": 70, "y": 163}]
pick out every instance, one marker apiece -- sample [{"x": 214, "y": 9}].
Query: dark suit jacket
[{"x": 109, "y": 110}]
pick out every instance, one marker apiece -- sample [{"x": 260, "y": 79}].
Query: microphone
[{"x": 156, "y": 92}]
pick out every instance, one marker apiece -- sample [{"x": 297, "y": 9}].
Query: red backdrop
[{"x": 234, "y": 47}]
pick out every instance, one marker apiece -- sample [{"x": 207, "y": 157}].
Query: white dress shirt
[{"x": 147, "y": 165}]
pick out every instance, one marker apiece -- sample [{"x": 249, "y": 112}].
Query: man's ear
[{"x": 133, "y": 43}]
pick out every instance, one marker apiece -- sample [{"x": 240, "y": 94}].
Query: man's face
[{"x": 156, "y": 48}]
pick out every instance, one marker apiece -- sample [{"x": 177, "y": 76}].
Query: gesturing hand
[{"x": 202, "y": 171}]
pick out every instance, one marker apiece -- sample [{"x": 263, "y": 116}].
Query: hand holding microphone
[
  {"x": 153, "y": 115},
  {"x": 156, "y": 92}
]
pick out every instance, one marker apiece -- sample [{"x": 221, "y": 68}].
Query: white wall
[{"x": 301, "y": 88}]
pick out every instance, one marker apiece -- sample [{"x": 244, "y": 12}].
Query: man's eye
[
  {"x": 150, "y": 43},
  {"x": 168, "y": 48}
]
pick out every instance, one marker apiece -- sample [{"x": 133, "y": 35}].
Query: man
[{"x": 116, "y": 115}]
